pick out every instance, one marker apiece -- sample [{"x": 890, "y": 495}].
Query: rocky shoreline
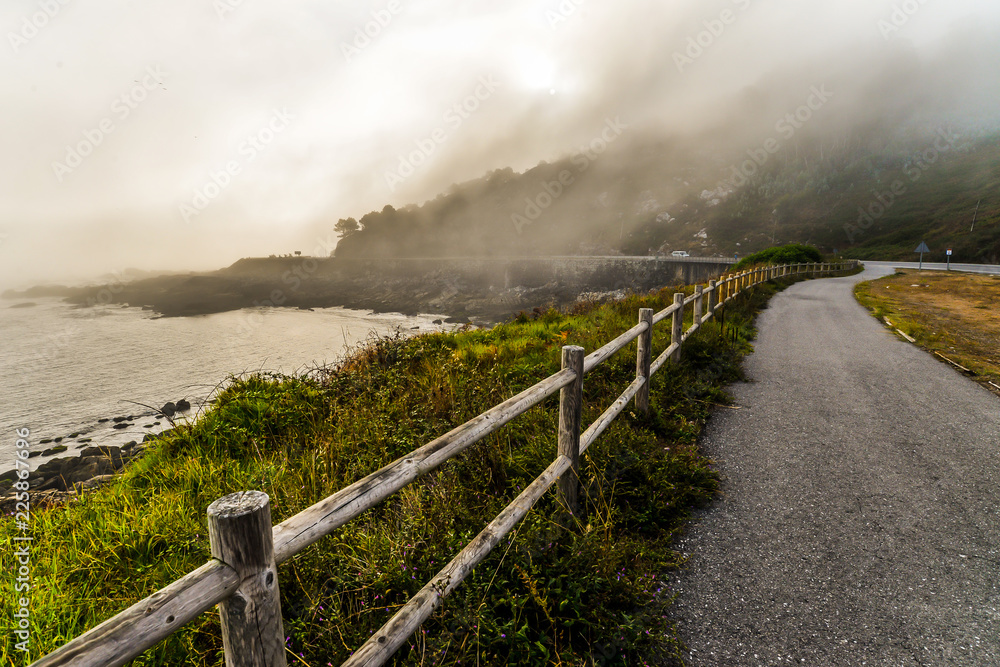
[
  {"x": 90, "y": 466},
  {"x": 61, "y": 480},
  {"x": 482, "y": 292}
]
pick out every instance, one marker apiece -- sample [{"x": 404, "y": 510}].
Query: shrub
[{"x": 793, "y": 253}]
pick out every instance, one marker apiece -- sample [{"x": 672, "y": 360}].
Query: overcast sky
[{"x": 174, "y": 134}]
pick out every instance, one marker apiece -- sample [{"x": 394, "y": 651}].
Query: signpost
[
  {"x": 948, "y": 253},
  {"x": 922, "y": 248}
]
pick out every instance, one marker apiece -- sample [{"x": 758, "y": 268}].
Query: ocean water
[{"x": 63, "y": 369}]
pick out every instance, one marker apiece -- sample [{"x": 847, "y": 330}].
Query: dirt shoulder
[{"x": 948, "y": 313}]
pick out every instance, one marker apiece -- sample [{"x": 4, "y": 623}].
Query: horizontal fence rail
[{"x": 246, "y": 554}]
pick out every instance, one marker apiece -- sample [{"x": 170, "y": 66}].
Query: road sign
[
  {"x": 948, "y": 252},
  {"x": 922, "y": 248}
]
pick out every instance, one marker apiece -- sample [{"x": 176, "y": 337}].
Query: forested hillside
[{"x": 868, "y": 192}]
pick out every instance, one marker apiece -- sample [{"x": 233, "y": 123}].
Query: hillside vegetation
[{"x": 870, "y": 193}]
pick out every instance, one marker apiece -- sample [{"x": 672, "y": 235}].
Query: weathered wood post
[
  {"x": 713, "y": 295},
  {"x": 677, "y": 326},
  {"x": 699, "y": 304},
  {"x": 239, "y": 532},
  {"x": 644, "y": 359},
  {"x": 570, "y": 410}
]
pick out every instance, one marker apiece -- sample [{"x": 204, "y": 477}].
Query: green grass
[{"x": 591, "y": 592}]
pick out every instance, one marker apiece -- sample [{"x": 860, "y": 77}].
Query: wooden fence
[{"x": 242, "y": 576}]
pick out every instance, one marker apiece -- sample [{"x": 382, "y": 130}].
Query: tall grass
[{"x": 582, "y": 592}]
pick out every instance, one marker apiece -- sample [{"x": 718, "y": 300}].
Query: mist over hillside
[{"x": 865, "y": 156}]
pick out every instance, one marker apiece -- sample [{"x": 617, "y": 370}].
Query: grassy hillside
[
  {"x": 552, "y": 595},
  {"x": 867, "y": 194}
]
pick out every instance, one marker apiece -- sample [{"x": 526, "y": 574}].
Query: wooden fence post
[
  {"x": 699, "y": 304},
  {"x": 713, "y": 295},
  {"x": 677, "y": 328},
  {"x": 644, "y": 359},
  {"x": 239, "y": 532},
  {"x": 570, "y": 409}
]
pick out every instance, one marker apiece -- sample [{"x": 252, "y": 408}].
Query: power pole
[{"x": 975, "y": 216}]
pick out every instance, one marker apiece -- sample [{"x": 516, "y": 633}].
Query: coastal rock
[
  {"x": 183, "y": 405},
  {"x": 121, "y": 426},
  {"x": 95, "y": 482},
  {"x": 58, "y": 449},
  {"x": 57, "y": 481},
  {"x": 119, "y": 420},
  {"x": 113, "y": 455},
  {"x": 169, "y": 409}
]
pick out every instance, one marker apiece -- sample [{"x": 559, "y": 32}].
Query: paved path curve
[{"x": 860, "y": 521}]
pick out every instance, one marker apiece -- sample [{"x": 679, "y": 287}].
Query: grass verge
[
  {"x": 946, "y": 312},
  {"x": 591, "y": 593}
]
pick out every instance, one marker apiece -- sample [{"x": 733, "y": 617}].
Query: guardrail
[{"x": 246, "y": 549}]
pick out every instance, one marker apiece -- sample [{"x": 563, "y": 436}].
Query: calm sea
[{"x": 63, "y": 368}]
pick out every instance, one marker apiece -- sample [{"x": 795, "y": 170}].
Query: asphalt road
[
  {"x": 969, "y": 268},
  {"x": 860, "y": 521}
]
